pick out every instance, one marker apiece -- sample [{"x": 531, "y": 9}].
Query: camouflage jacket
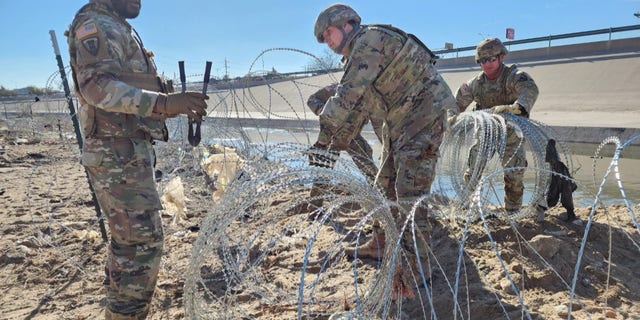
[
  {"x": 317, "y": 100},
  {"x": 511, "y": 86},
  {"x": 115, "y": 77},
  {"x": 389, "y": 79}
]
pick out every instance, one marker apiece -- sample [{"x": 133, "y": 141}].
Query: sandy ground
[{"x": 51, "y": 251}]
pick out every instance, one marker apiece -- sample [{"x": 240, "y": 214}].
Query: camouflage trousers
[
  {"x": 122, "y": 175},
  {"x": 514, "y": 156},
  {"x": 406, "y": 174},
  {"x": 362, "y": 155}
]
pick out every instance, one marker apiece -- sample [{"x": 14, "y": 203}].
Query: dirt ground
[{"x": 52, "y": 252}]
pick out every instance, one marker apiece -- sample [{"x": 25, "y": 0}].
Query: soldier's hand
[
  {"x": 322, "y": 156},
  {"x": 190, "y": 103},
  {"x": 451, "y": 120},
  {"x": 511, "y": 108},
  {"x": 317, "y": 100}
]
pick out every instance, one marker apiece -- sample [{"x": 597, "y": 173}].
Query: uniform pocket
[{"x": 86, "y": 118}]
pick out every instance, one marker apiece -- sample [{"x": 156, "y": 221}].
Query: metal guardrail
[{"x": 550, "y": 38}]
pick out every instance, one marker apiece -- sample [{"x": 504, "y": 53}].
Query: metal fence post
[{"x": 76, "y": 127}]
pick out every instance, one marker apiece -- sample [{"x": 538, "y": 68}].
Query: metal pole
[{"x": 76, "y": 127}]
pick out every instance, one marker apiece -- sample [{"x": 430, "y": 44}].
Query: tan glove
[
  {"x": 451, "y": 120},
  {"x": 511, "y": 108},
  {"x": 191, "y": 103}
]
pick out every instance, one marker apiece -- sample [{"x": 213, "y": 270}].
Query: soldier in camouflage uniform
[
  {"x": 500, "y": 89},
  {"x": 389, "y": 78},
  {"x": 123, "y": 107}
]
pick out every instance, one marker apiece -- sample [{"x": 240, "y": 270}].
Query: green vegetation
[
  {"x": 6, "y": 92},
  {"x": 31, "y": 90}
]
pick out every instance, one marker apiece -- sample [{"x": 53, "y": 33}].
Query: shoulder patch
[
  {"x": 91, "y": 45},
  {"x": 86, "y": 30},
  {"x": 464, "y": 87},
  {"x": 523, "y": 77}
]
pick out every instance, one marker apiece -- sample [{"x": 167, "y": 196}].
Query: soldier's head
[
  {"x": 127, "y": 9},
  {"x": 335, "y": 24},
  {"x": 490, "y": 53}
]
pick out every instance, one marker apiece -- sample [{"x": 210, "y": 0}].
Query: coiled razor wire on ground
[
  {"x": 614, "y": 165},
  {"x": 230, "y": 265},
  {"x": 244, "y": 237},
  {"x": 249, "y": 237},
  {"x": 489, "y": 133}
]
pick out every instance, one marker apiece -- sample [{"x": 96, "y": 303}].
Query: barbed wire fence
[{"x": 257, "y": 255}]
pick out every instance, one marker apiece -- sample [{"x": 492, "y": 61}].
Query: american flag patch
[{"x": 86, "y": 30}]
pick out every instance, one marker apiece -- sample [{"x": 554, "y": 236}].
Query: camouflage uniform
[
  {"x": 512, "y": 86},
  {"x": 359, "y": 149},
  {"x": 390, "y": 79},
  {"x": 117, "y": 85}
]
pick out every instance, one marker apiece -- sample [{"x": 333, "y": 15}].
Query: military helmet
[
  {"x": 489, "y": 47},
  {"x": 334, "y": 15}
]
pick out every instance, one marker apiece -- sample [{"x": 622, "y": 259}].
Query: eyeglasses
[{"x": 489, "y": 59}]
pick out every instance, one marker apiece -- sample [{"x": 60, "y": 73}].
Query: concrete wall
[{"x": 553, "y": 52}]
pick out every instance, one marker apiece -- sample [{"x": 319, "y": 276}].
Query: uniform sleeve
[
  {"x": 464, "y": 97},
  {"x": 342, "y": 114},
  {"x": 317, "y": 100},
  {"x": 99, "y": 60},
  {"x": 523, "y": 84}
]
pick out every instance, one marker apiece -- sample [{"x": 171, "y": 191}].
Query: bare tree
[{"x": 327, "y": 60}]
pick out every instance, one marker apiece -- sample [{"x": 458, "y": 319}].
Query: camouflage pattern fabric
[
  {"x": 118, "y": 125},
  {"x": 104, "y": 49},
  {"x": 121, "y": 172},
  {"x": 359, "y": 149},
  {"x": 334, "y": 15},
  {"x": 512, "y": 86},
  {"x": 490, "y": 47},
  {"x": 514, "y": 156},
  {"x": 390, "y": 80}
]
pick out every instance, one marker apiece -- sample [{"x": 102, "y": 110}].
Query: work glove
[
  {"x": 511, "y": 108},
  {"x": 451, "y": 120},
  {"x": 322, "y": 156},
  {"x": 190, "y": 103}
]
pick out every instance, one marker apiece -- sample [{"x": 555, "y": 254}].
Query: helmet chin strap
[{"x": 345, "y": 37}]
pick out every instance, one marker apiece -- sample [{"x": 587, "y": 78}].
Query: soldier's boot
[
  {"x": 374, "y": 248},
  {"x": 110, "y": 315},
  {"x": 512, "y": 206},
  {"x": 420, "y": 267},
  {"x": 570, "y": 216}
]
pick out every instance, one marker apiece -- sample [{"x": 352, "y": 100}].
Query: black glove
[{"x": 321, "y": 156}]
